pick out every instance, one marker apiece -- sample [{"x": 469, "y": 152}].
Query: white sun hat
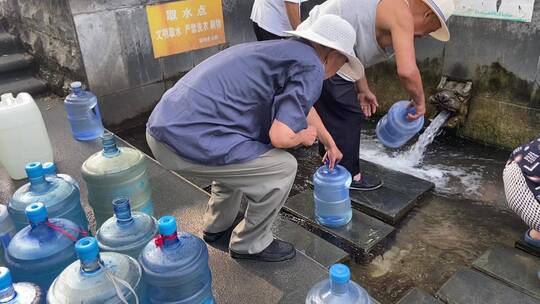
[
  {"x": 334, "y": 32},
  {"x": 443, "y": 9}
]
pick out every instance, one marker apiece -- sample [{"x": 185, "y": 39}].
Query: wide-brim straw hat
[
  {"x": 334, "y": 32},
  {"x": 443, "y": 9}
]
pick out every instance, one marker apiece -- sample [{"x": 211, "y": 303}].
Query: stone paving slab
[
  {"x": 398, "y": 195},
  {"x": 418, "y": 296},
  {"x": 522, "y": 245},
  {"x": 472, "y": 287},
  {"x": 513, "y": 267},
  {"x": 308, "y": 243},
  {"x": 359, "y": 236},
  {"x": 233, "y": 281}
]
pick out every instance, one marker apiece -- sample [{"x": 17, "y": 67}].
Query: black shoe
[
  {"x": 367, "y": 182},
  {"x": 277, "y": 251},
  {"x": 211, "y": 237}
]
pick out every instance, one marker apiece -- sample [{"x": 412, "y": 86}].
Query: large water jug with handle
[
  {"x": 40, "y": 251},
  {"x": 62, "y": 198},
  {"x": 108, "y": 277},
  {"x": 116, "y": 172},
  {"x": 83, "y": 113},
  {"x": 23, "y": 136},
  {"x": 176, "y": 267},
  {"x": 331, "y": 196},
  {"x": 338, "y": 289},
  {"x": 395, "y": 129}
]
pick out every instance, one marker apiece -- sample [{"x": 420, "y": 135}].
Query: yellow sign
[{"x": 182, "y": 26}]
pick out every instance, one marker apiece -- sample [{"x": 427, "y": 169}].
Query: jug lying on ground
[
  {"x": 96, "y": 278},
  {"x": 126, "y": 232},
  {"x": 83, "y": 113},
  {"x": 394, "y": 129},
  {"x": 176, "y": 267},
  {"x": 116, "y": 172},
  {"x": 331, "y": 196},
  {"x": 338, "y": 289},
  {"x": 7, "y": 231},
  {"x": 40, "y": 251},
  {"x": 49, "y": 169},
  {"x": 23, "y": 136},
  {"x": 62, "y": 198},
  {"x": 18, "y": 293}
]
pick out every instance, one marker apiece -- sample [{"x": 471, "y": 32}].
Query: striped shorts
[{"x": 519, "y": 197}]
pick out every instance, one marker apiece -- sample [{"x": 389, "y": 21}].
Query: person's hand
[
  {"x": 368, "y": 103},
  {"x": 332, "y": 156},
  {"x": 420, "y": 110},
  {"x": 309, "y": 135}
]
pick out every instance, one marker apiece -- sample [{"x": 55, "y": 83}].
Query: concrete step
[
  {"x": 398, "y": 195},
  {"x": 9, "y": 44},
  {"x": 418, "y": 296},
  {"x": 513, "y": 267},
  {"x": 22, "y": 83},
  {"x": 14, "y": 62},
  {"x": 522, "y": 245},
  {"x": 308, "y": 243},
  {"x": 472, "y": 287},
  {"x": 359, "y": 237}
]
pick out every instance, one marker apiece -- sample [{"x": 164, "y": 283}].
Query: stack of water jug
[{"x": 48, "y": 255}]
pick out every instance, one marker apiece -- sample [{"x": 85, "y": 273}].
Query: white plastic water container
[{"x": 23, "y": 136}]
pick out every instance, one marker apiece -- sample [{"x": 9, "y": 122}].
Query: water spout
[{"x": 453, "y": 96}]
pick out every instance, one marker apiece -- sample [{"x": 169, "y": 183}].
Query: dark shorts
[
  {"x": 340, "y": 112},
  {"x": 263, "y": 35}
]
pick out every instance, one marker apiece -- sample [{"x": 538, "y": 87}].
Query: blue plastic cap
[
  {"x": 340, "y": 274},
  {"x": 49, "y": 168},
  {"x": 87, "y": 249},
  {"x": 167, "y": 225},
  {"x": 5, "y": 278},
  {"x": 75, "y": 85},
  {"x": 34, "y": 170},
  {"x": 36, "y": 213}
]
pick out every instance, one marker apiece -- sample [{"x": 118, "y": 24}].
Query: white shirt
[{"x": 271, "y": 16}]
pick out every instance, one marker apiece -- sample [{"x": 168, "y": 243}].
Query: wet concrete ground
[{"x": 449, "y": 229}]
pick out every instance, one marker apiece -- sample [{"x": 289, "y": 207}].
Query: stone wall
[{"x": 47, "y": 31}]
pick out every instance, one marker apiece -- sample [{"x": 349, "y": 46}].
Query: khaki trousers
[{"x": 265, "y": 181}]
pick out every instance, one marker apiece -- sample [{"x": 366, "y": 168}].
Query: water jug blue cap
[
  {"x": 5, "y": 278},
  {"x": 87, "y": 249},
  {"x": 36, "y": 212},
  {"x": 49, "y": 168},
  {"x": 340, "y": 274},
  {"x": 34, "y": 170},
  {"x": 75, "y": 85},
  {"x": 167, "y": 225}
]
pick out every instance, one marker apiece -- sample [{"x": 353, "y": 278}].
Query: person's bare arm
[
  {"x": 401, "y": 26},
  {"x": 333, "y": 155},
  {"x": 366, "y": 98},
  {"x": 281, "y": 136},
  {"x": 293, "y": 12}
]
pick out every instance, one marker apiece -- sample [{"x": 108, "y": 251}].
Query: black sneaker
[
  {"x": 211, "y": 237},
  {"x": 277, "y": 251},
  {"x": 366, "y": 183}
]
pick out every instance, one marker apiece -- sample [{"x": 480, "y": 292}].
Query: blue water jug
[
  {"x": 394, "y": 129},
  {"x": 116, "y": 172},
  {"x": 338, "y": 289},
  {"x": 107, "y": 277},
  {"x": 127, "y": 232},
  {"x": 40, "y": 251},
  {"x": 7, "y": 231},
  {"x": 175, "y": 267},
  {"x": 331, "y": 195},
  {"x": 18, "y": 293},
  {"x": 83, "y": 113},
  {"x": 63, "y": 199},
  {"x": 49, "y": 169}
]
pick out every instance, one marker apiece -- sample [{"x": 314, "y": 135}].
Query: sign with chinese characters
[
  {"x": 182, "y": 26},
  {"x": 514, "y": 10}
]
